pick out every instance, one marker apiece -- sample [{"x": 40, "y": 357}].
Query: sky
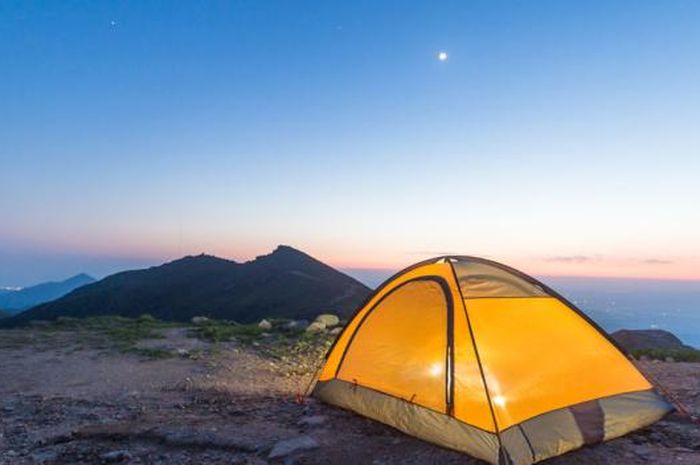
[{"x": 560, "y": 137}]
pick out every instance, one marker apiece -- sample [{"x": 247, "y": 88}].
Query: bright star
[{"x": 442, "y": 56}]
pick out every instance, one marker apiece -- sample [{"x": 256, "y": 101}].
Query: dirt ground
[{"x": 64, "y": 399}]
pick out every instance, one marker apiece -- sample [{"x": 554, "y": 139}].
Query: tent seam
[{"x": 478, "y": 358}]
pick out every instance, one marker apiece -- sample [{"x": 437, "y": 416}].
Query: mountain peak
[
  {"x": 285, "y": 283},
  {"x": 199, "y": 259},
  {"x": 284, "y": 255},
  {"x": 44, "y": 292},
  {"x": 81, "y": 277}
]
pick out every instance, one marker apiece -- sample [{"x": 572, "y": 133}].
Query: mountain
[
  {"x": 4, "y": 314},
  {"x": 648, "y": 339},
  {"x": 286, "y": 283},
  {"x": 15, "y": 301}
]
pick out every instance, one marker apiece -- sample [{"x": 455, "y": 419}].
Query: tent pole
[{"x": 481, "y": 368}]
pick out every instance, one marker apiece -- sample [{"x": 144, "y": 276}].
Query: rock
[
  {"x": 328, "y": 320},
  {"x": 116, "y": 456},
  {"x": 290, "y": 446},
  {"x": 337, "y": 330},
  {"x": 264, "y": 324},
  {"x": 642, "y": 450},
  {"x": 647, "y": 339},
  {"x": 296, "y": 325},
  {"x": 183, "y": 352},
  {"x": 200, "y": 320},
  {"x": 316, "y": 327},
  {"x": 315, "y": 420},
  {"x": 670, "y": 359},
  {"x": 44, "y": 456}
]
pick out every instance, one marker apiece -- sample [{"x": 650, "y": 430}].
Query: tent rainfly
[{"x": 478, "y": 357}]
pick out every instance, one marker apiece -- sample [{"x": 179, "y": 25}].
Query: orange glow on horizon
[{"x": 686, "y": 269}]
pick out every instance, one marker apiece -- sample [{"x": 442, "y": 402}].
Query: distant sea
[{"x": 616, "y": 303}]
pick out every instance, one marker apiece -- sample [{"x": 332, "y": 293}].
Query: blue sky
[{"x": 560, "y": 137}]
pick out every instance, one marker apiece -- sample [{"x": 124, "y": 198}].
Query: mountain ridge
[
  {"x": 13, "y": 301},
  {"x": 284, "y": 283}
]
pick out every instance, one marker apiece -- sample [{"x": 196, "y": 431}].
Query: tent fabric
[{"x": 478, "y": 357}]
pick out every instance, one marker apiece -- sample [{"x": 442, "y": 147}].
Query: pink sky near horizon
[{"x": 368, "y": 256}]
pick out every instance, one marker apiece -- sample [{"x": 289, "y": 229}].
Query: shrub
[{"x": 679, "y": 355}]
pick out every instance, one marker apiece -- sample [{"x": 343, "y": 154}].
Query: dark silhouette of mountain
[
  {"x": 647, "y": 339},
  {"x": 4, "y": 314},
  {"x": 14, "y": 301},
  {"x": 286, "y": 283}
]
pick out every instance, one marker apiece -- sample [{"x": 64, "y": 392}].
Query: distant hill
[
  {"x": 3, "y": 314},
  {"x": 648, "y": 339},
  {"x": 14, "y": 301},
  {"x": 286, "y": 283}
]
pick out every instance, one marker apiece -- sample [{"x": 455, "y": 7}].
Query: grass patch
[
  {"x": 224, "y": 331},
  {"x": 114, "y": 332},
  {"x": 679, "y": 355}
]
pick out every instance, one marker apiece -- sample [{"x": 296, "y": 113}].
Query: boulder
[
  {"x": 264, "y": 324},
  {"x": 316, "y": 327},
  {"x": 328, "y": 319},
  {"x": 200, "y": 320},
  {"x": 337, "y": 330}
]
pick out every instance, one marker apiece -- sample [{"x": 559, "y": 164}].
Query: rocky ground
[{"x": 170, "y": 396}]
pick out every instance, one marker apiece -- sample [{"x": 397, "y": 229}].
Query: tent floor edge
[
  {"x": 410, "y": 418},
  {"x": 542, "y": 437},
  {"x": 563, "y": 430}
]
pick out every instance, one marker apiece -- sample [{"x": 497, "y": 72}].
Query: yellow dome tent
[{"x": 475, "y": 356}]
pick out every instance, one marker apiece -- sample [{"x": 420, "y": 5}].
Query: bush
[
  {"x": 222, "y": 331},
  {"x": 679, "y": 355}
]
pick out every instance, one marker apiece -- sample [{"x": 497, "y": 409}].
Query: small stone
[
  {"x": 290, "y": 446},
  {"x": 296, "y": 325},
  {"x": 200, "y": 320},
  {"x": 337, "y": 330},
  {"x": 315, "y": 420},
  {"x": 116, "y": 456},
  {"x": 642, "y": 450},
  {"x": 183, "y": 352},
  {"x": 264, "y": 324},
  {"x": 316, "y": 327},
  {"x": 329, "y": 320},
  {"x": 44, "y": 455}
]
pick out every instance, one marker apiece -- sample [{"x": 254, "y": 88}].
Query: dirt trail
[{"x": 66, "y": 399}]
